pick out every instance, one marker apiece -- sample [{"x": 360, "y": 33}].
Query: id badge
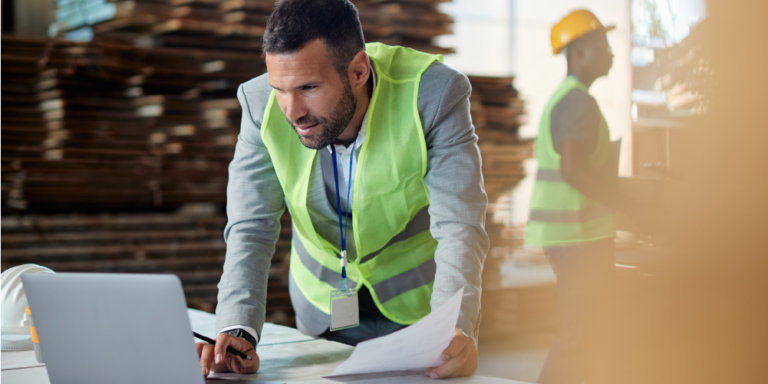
[{"x": 344, "y": 310}]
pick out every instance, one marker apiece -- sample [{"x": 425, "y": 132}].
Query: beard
[{"x": 330, "y": 127}]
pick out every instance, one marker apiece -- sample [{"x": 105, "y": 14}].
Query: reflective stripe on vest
[
  {"x": 581, "y": 216},
  {"x": 418, "y": 224},
  {"x": 323, "y": 273},
  {"x": 553, "y": 175},
  {"x": 561, "y": 215},
  {"x": 390, "y": 222},
  {"x": 385, "y": 290},
  {"x": 414, "y": 278}
]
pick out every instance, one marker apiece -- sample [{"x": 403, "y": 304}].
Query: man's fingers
[
  {"x": 447, "y": 369},
  {"x": 452, "y": 367},
  {"x": 460, "y": 358},
  {"x": 206, "y": 359},
  {"x": 240, "y": 365},
  {"x": 458, "y": 343},
  {"x": 222, "y": 342},
  {"x": 216, "y": 358},
  {"x": 234, "y": 363}
]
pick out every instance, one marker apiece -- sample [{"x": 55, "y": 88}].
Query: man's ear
[{"x": 359, "y": 70}]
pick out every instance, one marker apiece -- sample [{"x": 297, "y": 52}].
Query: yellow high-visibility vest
[
  {"x": 389, "y": 194},
  {"x": 561, "y": 215}
]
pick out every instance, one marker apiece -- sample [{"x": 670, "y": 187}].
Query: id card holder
[{"x": 344, "y": 310}]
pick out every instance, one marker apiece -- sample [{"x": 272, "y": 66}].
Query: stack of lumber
[
  {"x": 502, "y": 172},
  {"x": 503, "y": 167},
  {"x": 205, "y": 24},
  {"x": 239, "y": 25},
  {"x": 31, "y": 109},
  {"x": 410, "y": 23},
  {"x": 187, "y": 245},
  {"x": 497, "y": 112},
  {"x": 95, "y": 126}
]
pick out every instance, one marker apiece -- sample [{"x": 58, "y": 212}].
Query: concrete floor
[{"x": 518, "y": 358}]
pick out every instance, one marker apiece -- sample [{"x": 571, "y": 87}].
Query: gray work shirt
[{"x": 575, "y": 117}]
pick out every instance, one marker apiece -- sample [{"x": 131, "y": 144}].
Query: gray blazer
[{"x": 458, "y": 203}]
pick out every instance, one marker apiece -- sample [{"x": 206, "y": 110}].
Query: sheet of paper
[
  {"x": 235, "y": 378},
  {"x": 417, "y": 346}
]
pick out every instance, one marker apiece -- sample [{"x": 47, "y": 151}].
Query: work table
[{"x": 286, "y": 355}]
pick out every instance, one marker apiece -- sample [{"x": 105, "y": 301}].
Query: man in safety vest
[
  {"x": 574, "y": 198},
  {"x": 372, "y": 150}
]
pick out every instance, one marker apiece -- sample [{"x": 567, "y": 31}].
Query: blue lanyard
[{"x": 343, "y": 226}]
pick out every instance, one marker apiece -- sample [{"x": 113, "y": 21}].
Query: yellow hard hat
[{"x": 577, "y": 24}]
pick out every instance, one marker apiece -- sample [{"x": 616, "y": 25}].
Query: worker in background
[
  {"x": 367, "y": 145},
  {"x": 574, "y": 198}
]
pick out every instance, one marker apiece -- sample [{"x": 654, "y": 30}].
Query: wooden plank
[
  {"x": 186, "y": 26},
  {"x": 11, "y": 223},
  {"x": 213, "y": 44},
  {"x": 250, "y": 18},
  {"x": 126, "y": 250},
  {"x": 253, "y": 5},
  {"x": 133, "y": 265},
  {"x": 24, "y": 238}
]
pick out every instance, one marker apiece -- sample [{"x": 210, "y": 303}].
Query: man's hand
[
  {"x": 460, "y": 358},
  {"x": 215, "y": 358}
]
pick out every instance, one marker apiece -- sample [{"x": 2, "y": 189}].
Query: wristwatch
[{"x": 239, "y": 332}]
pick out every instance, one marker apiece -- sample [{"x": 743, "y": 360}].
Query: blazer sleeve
[
  {"x": 457, "y": 196},
  {"x": 255, "y": 203}
]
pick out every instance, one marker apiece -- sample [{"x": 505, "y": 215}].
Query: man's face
[
  {"x": 315, "y": 100},
  {"x": 598, "y": 54}
]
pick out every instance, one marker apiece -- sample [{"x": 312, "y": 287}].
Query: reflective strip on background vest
[
  {"x": 561, "y": 215},
  {"x": 390, "y": 199}
]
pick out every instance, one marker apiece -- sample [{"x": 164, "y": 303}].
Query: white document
[
  {"x": 239, "y": 378},
  {"x": 417, "y": 346}
]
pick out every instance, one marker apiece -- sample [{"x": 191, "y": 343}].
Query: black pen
[{"x": 229, "y": 349}]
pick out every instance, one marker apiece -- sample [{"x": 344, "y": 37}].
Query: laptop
[{"x": 113, "y": 328}]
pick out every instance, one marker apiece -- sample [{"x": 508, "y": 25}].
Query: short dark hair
[{"x": 295, "y": 23}]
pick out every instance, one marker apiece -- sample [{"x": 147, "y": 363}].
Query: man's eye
[{"x": 309, "y": 87}]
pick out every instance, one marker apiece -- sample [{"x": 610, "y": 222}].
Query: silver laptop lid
[{"x": 113, "y": 328}]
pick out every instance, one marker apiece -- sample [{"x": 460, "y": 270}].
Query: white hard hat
[{"x": 15, "y": 330}]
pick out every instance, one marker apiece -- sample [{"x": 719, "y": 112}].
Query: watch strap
[{"x": 239, "y": 332}]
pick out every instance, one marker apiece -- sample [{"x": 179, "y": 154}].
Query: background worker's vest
[
  {"x": 389, "y": 195},
  {"x": 561, "y": 215}
]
